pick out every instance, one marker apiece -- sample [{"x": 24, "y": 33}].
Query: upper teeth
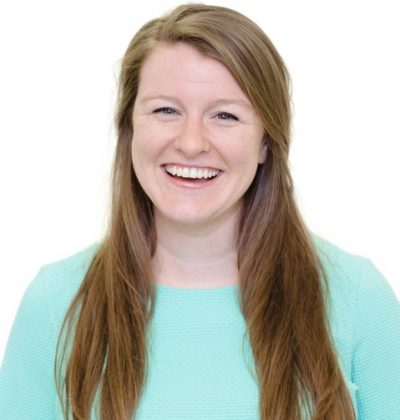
[{"x": 191, "y": 172}]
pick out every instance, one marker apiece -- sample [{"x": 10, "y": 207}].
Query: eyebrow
[{"x": 222, "y": 101}]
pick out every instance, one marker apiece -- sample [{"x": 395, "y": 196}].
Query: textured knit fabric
[{"x": 200, "y": 368}]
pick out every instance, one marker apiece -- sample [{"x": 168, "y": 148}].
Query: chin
[
  {"x": 185, "y": 216},
  {"x": 191, "y": 220}
]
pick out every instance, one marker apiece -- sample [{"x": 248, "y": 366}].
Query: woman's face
[{"x": 197, "y": 140}]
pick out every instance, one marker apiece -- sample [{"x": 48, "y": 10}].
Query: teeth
[{"x": 194, "y": 173}]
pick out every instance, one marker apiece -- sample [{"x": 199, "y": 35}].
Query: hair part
[{"x": 103, "y": 359}]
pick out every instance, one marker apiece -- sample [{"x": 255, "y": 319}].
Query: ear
[{"x": 263, "y": 152}]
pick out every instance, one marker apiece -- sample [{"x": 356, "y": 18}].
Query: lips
[
  {"x": 191, "y": 172},
  {"x": 191, "y": 176}
]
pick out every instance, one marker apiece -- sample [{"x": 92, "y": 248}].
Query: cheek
[
  {"x": 136, "y": 152},
  {"x": 245, "y": 155},
  {"x": 148, "y": 141},
  {"x": 143, "y": 147},
  {"x": 141, "y": 156}
]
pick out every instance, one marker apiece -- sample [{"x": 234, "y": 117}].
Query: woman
[{"x": 207, "y": 298}]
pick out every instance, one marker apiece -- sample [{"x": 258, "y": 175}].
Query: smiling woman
[
  {"x": 208, "y": 297},
  {"x": 191, "y": 116}
]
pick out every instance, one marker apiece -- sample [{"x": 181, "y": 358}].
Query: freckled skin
[{"x": 190, "y": 111}]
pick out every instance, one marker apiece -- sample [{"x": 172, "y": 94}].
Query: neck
[{"x": 195, "y": 256}]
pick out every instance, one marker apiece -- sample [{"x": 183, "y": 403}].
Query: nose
[{"x": 192, "y": 139}]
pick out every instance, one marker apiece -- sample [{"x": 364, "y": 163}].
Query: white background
[{"x": 59, "y": 63}]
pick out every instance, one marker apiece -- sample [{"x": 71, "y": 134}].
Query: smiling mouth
[{"x": 193, "y": 174}]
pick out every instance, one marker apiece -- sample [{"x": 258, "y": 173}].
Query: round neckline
[{"x": 196, "y": 289}]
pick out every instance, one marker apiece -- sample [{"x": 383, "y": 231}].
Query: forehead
[{"x": 180, "y": 68}]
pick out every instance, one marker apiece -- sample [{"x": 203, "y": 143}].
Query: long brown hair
[{"x": 283, "y": 291}]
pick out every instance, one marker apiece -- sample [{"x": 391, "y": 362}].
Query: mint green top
[{"x": 198, "y": 368}]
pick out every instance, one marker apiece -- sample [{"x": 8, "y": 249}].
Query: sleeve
[
  {"x": 376, "y": 352},
  {"x": 27, "y": 387}
]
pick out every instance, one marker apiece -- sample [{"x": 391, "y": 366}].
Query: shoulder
[
  {"x": 72, "y": 268},
  {"x": 359, "y": 297},
  {"x": 336, "y": 261},
  {"x": 348, "y": 275},
  {"x": 27, "y": 373},
  {"x": 56, "y": 284},
  {"x": 351, "y": 278}
]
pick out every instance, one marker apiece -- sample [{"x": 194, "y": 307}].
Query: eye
[
  {"x": 165, "y": 110},
  {"x": 227, "y": 116}
]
